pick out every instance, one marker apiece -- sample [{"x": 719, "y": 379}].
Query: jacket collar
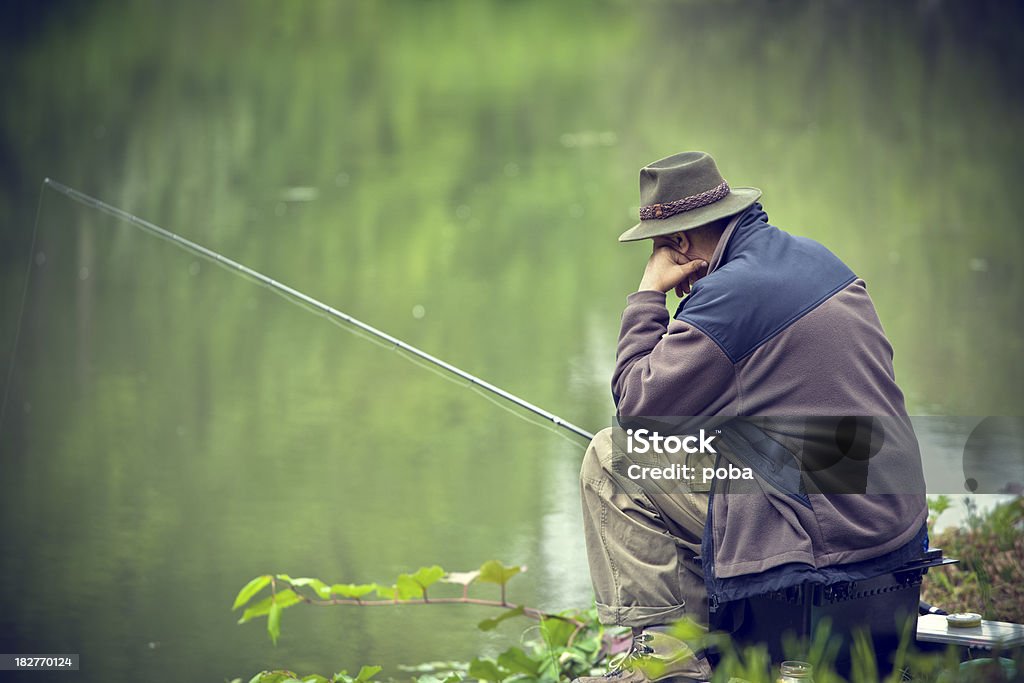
[{"x": 752, "y": 214}]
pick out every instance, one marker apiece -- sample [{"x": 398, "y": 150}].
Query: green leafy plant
[
  {"x": 365, "y": 675},
  {"x": 990, "y": 576},
  {"x": 407, "y": 589},
  {"x": 561, "y": 646}
]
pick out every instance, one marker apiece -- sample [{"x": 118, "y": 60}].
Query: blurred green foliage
[{"x": 455, "y": 173}]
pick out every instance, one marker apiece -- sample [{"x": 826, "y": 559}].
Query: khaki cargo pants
[{"x": 642, "y": 537}]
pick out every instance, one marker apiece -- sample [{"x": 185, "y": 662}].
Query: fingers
[
  {"x": 690, "y": 272},
  {"x": 668, "y": 268},
  {"x": 691, "y": 268}
]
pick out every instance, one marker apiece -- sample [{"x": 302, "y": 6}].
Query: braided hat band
[
  {"x": 682, "y": 192},
  {"x": 685, "y": 204}
]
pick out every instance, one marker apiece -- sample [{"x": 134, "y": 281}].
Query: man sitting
[{"x": 774, "y": 328}]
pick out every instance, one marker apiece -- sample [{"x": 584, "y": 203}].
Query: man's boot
[{"x": 655, "y": 656}]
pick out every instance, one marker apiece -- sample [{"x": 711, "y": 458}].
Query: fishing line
[
  {"x": 345, "y": 321},
  {"x": 548, "y": 426},
  {"x": 21, "y": 310},
  {"x": 481, "y": 391}
]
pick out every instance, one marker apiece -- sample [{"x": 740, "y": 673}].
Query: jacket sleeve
[{"x": 665, "y": 368}]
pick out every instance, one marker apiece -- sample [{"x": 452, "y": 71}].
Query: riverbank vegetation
[
  {"x": 989, "y": 578},
  {"x": 561, "y": 646}
]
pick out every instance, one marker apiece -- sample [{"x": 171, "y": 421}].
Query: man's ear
[{"x": 682, "y": 242}]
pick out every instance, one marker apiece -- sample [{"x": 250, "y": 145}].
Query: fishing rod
[{"x": 306, "y": 300}]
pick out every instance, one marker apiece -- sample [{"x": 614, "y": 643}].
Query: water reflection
[{"x": 173, "y": 430}]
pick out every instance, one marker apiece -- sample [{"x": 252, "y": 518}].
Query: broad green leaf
[
  {"x": 517, "y": 661},
  {"x": 486, "y": 670},
  {"x": 386, "y": 592},
  {"x": 258, "y": 609},
  {"x": 273, "y": 677},
  {"x": 551, "y": 667},
  {"x": 250, "y": 589},
  {"x": 427, "y": 576},
  {"x": 556, "y": 632},
  {"x": 435, "y": 667},
  {"x": 285, "y": 598},
  {"x": 315, "y": 678},
  {"x": 574, "y": 655},
  {"x": 366, "y": 674},
  {"x": 274, "y": 621},
  {"x": 321, "y": 588},
  {"x": 462, "y": 578},
  {"x": 688, "y": 631},
  {"x": 451, "y": 677},
  {"x": 491, "y": 624},
  {"x": 408, "y": 588},
  {"x": 493, "y": 571},
  {"x": 588, "y": 644},
  {"x": 653, "y": 668},
  {"x": 352, "y": 590},
  {"x": 301, "y": 581},
  {"x": 433, "y": 678}
]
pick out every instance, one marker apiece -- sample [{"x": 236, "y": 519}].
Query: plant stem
[{"x": 527, "y": 611}]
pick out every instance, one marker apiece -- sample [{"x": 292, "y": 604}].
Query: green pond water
[{"x": 455, "y": 174}]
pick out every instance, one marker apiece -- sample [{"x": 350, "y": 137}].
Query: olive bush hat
[{"x": 682, "y": 192}]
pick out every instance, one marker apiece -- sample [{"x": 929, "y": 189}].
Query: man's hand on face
[{"x": 670, "y": 268}]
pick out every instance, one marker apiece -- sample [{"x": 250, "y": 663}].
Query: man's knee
[{"x": 598, "y": 456}]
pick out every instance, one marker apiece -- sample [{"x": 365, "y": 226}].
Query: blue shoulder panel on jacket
[{"x": 766, "y": 281}]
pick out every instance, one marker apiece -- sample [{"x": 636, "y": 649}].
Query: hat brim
[{"x": 738, "y": 199}]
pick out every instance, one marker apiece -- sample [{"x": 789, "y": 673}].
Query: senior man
[{"x": 774, "y": 328}]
